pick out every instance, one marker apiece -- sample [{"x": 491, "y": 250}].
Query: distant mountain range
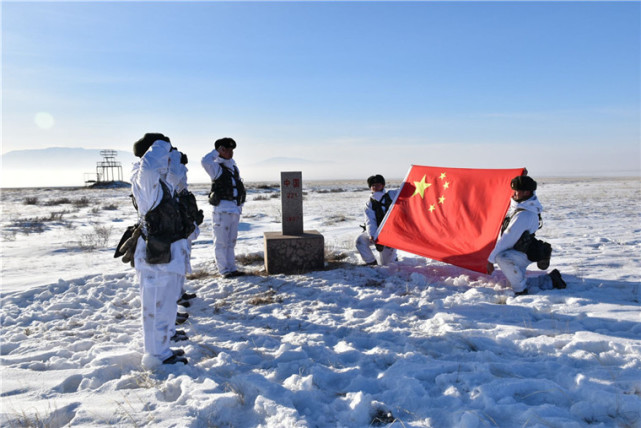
[
  {"x": 76, "y": 157},
  {"x": 73, "y": 166},
  {"x": 57, "y": 166},
  {"x": 287, "y": 161},
  {"x": 60, "y": 157}
]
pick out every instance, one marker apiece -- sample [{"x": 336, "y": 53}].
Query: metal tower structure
[{"x": 108, "y": 169}]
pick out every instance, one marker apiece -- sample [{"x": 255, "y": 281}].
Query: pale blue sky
[{"x": 360, "y": 87}]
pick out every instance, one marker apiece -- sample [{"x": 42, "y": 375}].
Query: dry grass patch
[
  {"x": 266, "y": 298},
  {"x": 199, "y": 274},
  {"x": 250, "y": 258}
]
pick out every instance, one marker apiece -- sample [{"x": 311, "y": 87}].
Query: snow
[{"x": 415, "y": 344}]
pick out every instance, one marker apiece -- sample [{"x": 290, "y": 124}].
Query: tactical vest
[
  {"x": 164, "y": 225},
  {"x": 507, "y": 219},
  {"x": 223, "y": 187},
  {"x": 380, "y": 207}
]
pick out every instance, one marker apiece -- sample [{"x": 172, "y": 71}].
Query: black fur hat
[
  {"x": 375, "y": 179},
  {"x": 523, "y": 182},
  {"x": 141, "y": 146},
  {"x": 225, "y": 142}
]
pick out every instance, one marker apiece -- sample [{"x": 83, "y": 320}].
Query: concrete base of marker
[{"x": 294, "y": 253}]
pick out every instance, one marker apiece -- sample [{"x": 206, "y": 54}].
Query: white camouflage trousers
[
  {"x": 179, "y": 290},
  {"x": 364, "y": 247},
  {"x": 158, "y": 295},
  {"x": 225, "y": 235},
  {"x": 514, "y": 264}
]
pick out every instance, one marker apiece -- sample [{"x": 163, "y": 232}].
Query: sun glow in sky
[
  {"x": 348, "y": 89},
  {"x": 44, "y": 120}
]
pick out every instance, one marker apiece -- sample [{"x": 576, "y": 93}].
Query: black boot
[
  {"x": 185, "y": 298},
  {"x": 557, "y": 280},
  {"x": 179, "y": 336},
  {"x": 181, "y": 318},
  {"x": 177, "y": 357},
  {"x": 234, "y": 274}
]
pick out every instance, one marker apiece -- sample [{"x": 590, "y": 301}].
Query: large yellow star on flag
[{"x": 420, "y": 187}]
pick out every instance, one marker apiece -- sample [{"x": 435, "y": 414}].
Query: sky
[{"x": 339, "y": 90}]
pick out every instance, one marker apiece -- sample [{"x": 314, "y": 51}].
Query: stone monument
[{"x": 295, "y": 250}]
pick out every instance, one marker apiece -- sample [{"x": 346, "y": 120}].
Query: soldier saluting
[
  {"x": 227, "y": 197},
  {"x": 161, "y": 256}
]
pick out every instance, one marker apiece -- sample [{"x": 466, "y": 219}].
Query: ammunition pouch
[
  {"x": 535, "y": 249},
  {"x": 214, "y": 199},
  {"x": 158, "y": 250}
]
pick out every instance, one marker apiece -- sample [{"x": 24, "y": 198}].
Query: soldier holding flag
[{"x": 521, "y": 222}]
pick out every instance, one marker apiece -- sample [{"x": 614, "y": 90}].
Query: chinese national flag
[{"x": 449, "y": 214}]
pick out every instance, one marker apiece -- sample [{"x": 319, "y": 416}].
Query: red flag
[{"x": 449, "y": 214}]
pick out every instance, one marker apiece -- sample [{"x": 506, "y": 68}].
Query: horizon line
[{"x": 637, "y": 175}]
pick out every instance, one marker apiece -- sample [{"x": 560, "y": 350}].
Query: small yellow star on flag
[
  {"x": 432, "y": 208},
  {"x": 420, "y": 187},
  {"x": 441, "y": 199},
  {"x": 442, "y": 175},
  {"x": 446, "y": 185}
]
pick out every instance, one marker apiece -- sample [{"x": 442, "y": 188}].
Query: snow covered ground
[{"x": 416, "y": 344}]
